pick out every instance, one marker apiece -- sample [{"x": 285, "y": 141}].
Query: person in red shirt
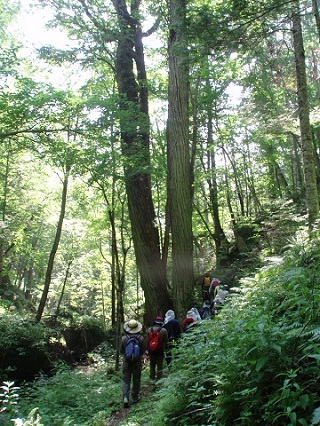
[{"x": 189, "y": 321}]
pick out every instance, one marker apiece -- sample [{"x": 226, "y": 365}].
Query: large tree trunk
[
  {"x": 134, "y": 123},
  {"x": 312, "y": 199},
  {"x": 179, "y": 173},
  {"x": 221, "y": 242},
  {"x": 55, "y": 246}
]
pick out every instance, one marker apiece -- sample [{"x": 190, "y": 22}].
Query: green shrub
[
  {"x": 256, "y": 363},
  {"x": 23, "y": 348},
  {"x": 84, "y": 335},
  {"x": 9, "y": 408},
  {"x": 8, "y": 400},
  {"x": 83, "y": 397}
]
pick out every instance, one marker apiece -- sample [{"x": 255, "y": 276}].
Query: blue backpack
[{"x": 132, "y": 351}]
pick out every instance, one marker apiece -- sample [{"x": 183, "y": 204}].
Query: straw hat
[{"x": 133, "y": 326}]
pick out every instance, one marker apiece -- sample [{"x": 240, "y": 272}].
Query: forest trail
[{"x": 120, "y": 416}]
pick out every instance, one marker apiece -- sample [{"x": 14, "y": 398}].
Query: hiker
[
  {"x": 213, "y": 287},
  {"x": 221, "y": 294},
  {"x": 206, "y": 281},
  {"x": 197, "y": 316},
  {"x": 190, "y": 320},
  {"x": 205, "y": 310},
  {"x": 174, "y": 332},
  {"x": 157, "y": 345},
  {"x": 132, "y": 346}
]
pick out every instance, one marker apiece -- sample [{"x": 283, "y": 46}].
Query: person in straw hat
[{"x": 131, "y": 370}]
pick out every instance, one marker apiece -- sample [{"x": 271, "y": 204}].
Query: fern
[
  {"x": 257, "y": 362},
  {"x": 316, "y": 417}
]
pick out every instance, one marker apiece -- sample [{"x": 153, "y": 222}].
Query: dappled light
[{"x": 159, "y": 213}]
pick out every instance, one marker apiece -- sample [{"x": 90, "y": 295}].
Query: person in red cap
[{"x": 156, "y": 347}]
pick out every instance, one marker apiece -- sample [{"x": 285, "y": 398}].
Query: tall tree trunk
[
  {"x": 297, "y": 176},
  {"x": 134, "y": 123},
  {"x": 240, "y": 245},
  {"x": 312, "y": 199},
  {"x": 180, "y": 192},
  {"x": 4, "y": 273},
  {"x": 221, "y": 242},
  {"x": 55, "y": 246},
  {"x": 315, "y": 8},
  {"x": 62, "y": 290},
  {"x": 222, "y": 245}
]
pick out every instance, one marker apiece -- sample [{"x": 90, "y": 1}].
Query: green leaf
[
  {"x": 316, "y": 417},
  {"x": 276, "y": 348},
  {"x": 262, "y": 362},
  {"x": 315, "y": 356}
]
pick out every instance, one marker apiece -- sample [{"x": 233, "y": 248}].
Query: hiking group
[
  {"x": 214, "y": 293},
  {"x": 160, "y": 340}
]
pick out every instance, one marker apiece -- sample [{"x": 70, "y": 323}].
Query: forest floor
[
  {"x": 122, "y": 416},
  {"x": 128, "y": 416}
]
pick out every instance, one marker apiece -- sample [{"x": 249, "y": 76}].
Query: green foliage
[
  {"x": 91, "y": 325},
  {"x": 9, "y": 407},
  {"x": 33, "y": 419},
  {"x": 316, "y": 417},
  {"x": 258, "y": 361},
  {"x": 23, "y": 347},
  {"x": 84, "y": 335},
  {"x": 84, "y": 397},
  {"x": 9, "y": 399}
]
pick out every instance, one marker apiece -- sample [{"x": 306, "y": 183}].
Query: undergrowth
[
  {"x": 256, "y": 363},
  {"x": 83, "y": 397}
]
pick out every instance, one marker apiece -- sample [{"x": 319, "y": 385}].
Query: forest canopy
[
  {"x": 144, "y": 145},
  {"x": 155, "y": 143}
]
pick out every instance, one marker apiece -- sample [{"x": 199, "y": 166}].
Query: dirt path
[{"x": 119, "y": 416}]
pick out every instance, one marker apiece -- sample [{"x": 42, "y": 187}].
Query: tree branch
[
  {"x": 151, "y": 30},
  {"x": 37, "y": 131}
]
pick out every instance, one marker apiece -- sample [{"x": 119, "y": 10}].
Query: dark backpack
[
  {"x": 173, "y": 329},
  {"x": 154, "y": 344},
  {"x": 205, "y": 312},
  {"x": 132, "y": 351}
]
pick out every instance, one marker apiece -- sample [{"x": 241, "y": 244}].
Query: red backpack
[{"x": 154, "y": 344}]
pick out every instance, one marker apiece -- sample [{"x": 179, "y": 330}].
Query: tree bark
[
  {"x": 179, "y": 173},
  {"x": 312, "y": 199},
  {"x": 62, "y": 290},
  {"x": 55, "y": 246},
  {"x": 316, "y": 16},
  {"x": 134, "y": 124},
  {"x": 221, "y": 242},
  {"x": 297, "y": 175},
  {"x": 4, "y": 272}
]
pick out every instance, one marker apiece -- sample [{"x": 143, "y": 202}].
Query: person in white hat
[
  {"x": 172, "y": 325},
  {"x": 131, "y": 369}
]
